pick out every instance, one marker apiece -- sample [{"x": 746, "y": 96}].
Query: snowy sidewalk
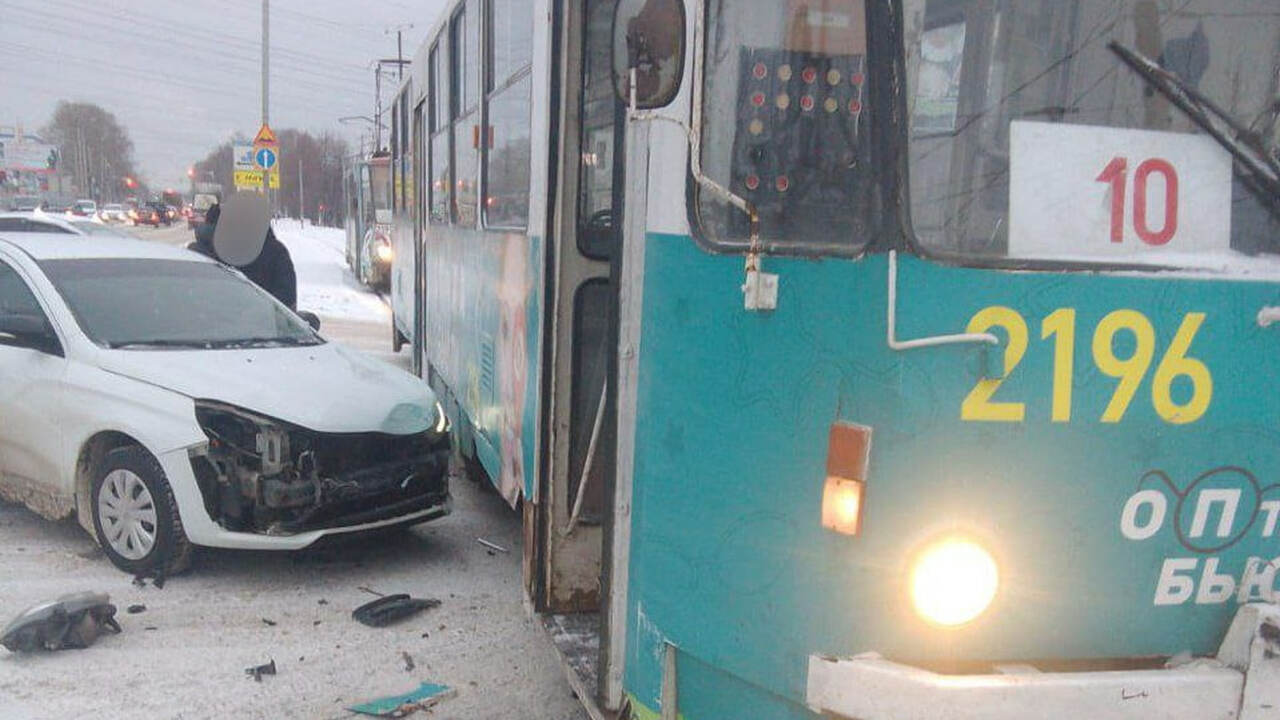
[{"x": 326, "y": 286}]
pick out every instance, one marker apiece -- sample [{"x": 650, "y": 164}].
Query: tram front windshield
[{"x": 1032, "y": 142}]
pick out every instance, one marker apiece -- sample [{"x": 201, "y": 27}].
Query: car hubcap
[{"x": 128, "y": 514}]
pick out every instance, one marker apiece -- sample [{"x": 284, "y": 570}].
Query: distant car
[
  {"x": 37, "y": 222},
  {"x": 113, "y": 212},
  {"x": 54, "y": 207},
  {"x": 165, "y": 401},
  {"x": 84, "y": 208},
  {"x": 152, "y": 213},
  {"x": 26, "y": 203}
]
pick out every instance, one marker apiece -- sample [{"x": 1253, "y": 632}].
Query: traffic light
[
  {"x": 51, "y": 162},
  {"x": 130, "y": 182},
  {"x": 191, "y": 172}
]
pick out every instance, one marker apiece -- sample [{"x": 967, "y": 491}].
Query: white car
[
  {"x": 165, "y": 401},
  {"x": 38, "y": 222},
  {"x": 113, "y": 212}
]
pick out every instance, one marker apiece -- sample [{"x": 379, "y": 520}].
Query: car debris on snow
[
  {"x": 427, "y": 696},
  {"x": 257, "y": 672},
  {"x": 492, "y": 546},
  {"x": 71, "y": 622},
  {"x": 391, "y": 609},
  {"x": 135, "y": 609}
]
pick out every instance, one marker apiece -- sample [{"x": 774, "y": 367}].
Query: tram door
[{"x": 577, "y": 492}]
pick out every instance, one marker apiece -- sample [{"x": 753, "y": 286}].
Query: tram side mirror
[{"x": 649, "y": 37}]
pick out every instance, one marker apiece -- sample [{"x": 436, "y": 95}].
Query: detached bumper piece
[
  {"x": 71, "y": 621},
  {"x": 1241, "y": 683},
  {"x": 262, "y": 476}
]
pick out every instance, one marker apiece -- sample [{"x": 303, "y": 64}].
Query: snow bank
[{"x": 326, "y": 286}]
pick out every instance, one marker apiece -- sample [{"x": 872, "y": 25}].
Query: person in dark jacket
[{"x": 273, "y": 271}]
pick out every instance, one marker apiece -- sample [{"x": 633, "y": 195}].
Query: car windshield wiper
[
  {"x": 1256, "y": 164},
  {"x": 159, "y": 343},
  {"x": 284, "y": 341}
]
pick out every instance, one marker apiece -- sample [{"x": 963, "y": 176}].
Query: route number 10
[{"x": 1116, "y": 174}]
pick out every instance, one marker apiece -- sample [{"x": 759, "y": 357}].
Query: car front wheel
[{"x": 135, "y": 515}]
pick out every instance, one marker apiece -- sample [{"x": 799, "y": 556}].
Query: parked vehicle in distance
[
  {"x": 202, "y": 424},
  {"x": 113, "y": 212},
  {"x": 84, "y": 208}
]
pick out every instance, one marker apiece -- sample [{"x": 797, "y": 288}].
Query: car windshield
[
  {"x": 1032, "y": 141},
  {"x": 149, "y": 303}
]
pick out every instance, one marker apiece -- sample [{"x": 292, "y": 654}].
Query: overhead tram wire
[
  {"x": 222, "y": 37},
  {"x": 73, "y": 27},
  {"x": 27, "y": 51}
]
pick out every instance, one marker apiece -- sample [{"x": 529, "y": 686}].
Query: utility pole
[
  {"x": 399, "y": 31},
  {"x": 377, "y": 107},
  {"x": 266, "y": 78},
  {"x": 302, "y": 196}
]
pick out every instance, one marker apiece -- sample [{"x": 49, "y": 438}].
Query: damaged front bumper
[
  {"x": 287, "y": 485},
  {"x": 1241, "y": 683}
]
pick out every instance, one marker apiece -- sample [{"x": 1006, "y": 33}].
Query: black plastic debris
[
  {"x": 391, "y": 609},
  {"x": 257, "y": 672},
  {"x": 268, "y": 623},
  {"x": 70, "y": 622},
  {"x": 135, "y": 609},
  {"x": 409, "y": 664}
]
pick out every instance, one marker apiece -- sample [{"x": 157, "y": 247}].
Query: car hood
[{"x": 326, "y": 388}]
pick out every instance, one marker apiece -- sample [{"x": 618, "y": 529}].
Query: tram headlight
[
  {"x": 384, "y": 252},
  {"x": 953, "y": 581}
]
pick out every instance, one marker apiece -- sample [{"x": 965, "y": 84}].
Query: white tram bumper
[{"x": 1241, "y": 683}]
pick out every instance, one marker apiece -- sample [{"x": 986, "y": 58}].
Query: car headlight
[
  {"x": 385, "y": 252},
  {"x": 953, "y": 581}
]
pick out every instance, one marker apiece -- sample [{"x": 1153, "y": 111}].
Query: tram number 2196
[{"x": 1130, "y": 371}]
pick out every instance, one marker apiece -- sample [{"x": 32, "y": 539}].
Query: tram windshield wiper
[{"x": 1255, "y": 162}]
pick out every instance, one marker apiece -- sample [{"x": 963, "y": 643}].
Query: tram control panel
[{"x": 796, "y": 155}]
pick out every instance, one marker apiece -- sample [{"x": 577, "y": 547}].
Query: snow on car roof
[{"x": 58, "y": 246}]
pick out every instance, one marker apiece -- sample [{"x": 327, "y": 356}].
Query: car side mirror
[
  {"x": 312, "y": 319},
  {"x": 649, "y": 38},
  {"x": 29, "y": 331}
]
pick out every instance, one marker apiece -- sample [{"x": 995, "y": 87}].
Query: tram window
[
  {"x": 441, "y": 181},
  {"x": 510, "y": 40},
  {"x": 1031, "y": 140},
  {"x": 437, "y": 96},
  {"x": 406, "y": 151},
  {"x": 792, "y": 76},
  {"x": 465, "y": 170},
  {"x": 507, "y": 160},
  {"x": 395, "y": 153},
  {"x": 600, "y": 106},
  {"x": 465, "y": 46}
]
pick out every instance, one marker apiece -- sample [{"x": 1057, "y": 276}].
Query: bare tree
[{"x": 94, "y": 148}]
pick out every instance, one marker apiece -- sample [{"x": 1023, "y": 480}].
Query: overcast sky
[{"x": 183, "y": 76}]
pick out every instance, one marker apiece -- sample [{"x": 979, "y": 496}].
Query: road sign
[
  {"x": 242, "y": 154},
  {"x": 265, "y": 158},
  {"x": 265, "y": 137},
  {"x": 252, "y": 179}
]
